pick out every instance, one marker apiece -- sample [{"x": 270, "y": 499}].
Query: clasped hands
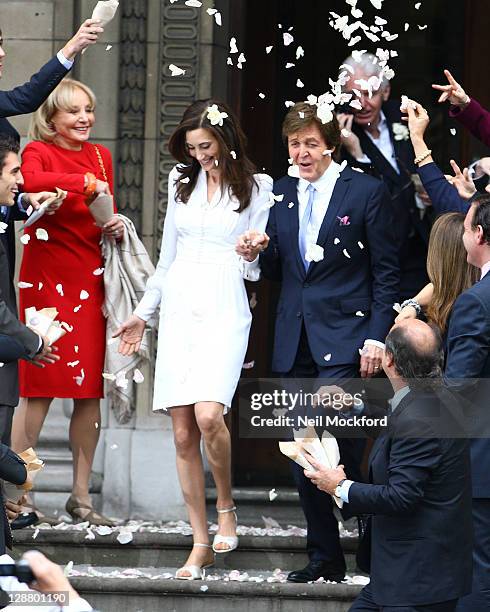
[{"x": 251, "y": 243}]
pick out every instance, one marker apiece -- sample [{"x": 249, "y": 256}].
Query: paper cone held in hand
[
  {"x": 105, "y": 11},
  {"x": 56, "y": 198},
  {"x": 43, "y": 323},
  {"x": 102, "y": 209},
  {"x": 325, "y": 451},
  {"x": 33, "y": 467}
]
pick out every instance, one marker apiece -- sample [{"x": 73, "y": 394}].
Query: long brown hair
[
  {"x": 447, "y": 267},
  {"x": 236, "y": 174}
]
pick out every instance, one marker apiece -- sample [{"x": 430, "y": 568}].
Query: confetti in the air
[
  {"x": 25, "y": 238},
  {"x": 138, "y": 376},
  {"x": 328, "y": 356},
  {"x": 98, "y": 271},
  {"x": 84, "y": 295},
  {"x": 272, "y": 495},
  {"x": 175, "y": 70},
  {"x": 287, "y": 38},
  {"x": 59, "y": 289},
  {"x": 42, "y": 234},
  {"x": 24, "y": 285}
]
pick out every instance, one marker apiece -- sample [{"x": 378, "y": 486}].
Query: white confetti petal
[
  {"x": 79, "y": 379},
  {"x": 328, "y": 356},
  {"x": 121, "y": 380},
  {"x": 417, "y": 5},
  {"x": 407, "y": 25},
  {"x": 300, "y": 52},
  {"x": 125, "y": 537},
  {"x": 290, "y": 65},
  {"x": 287, "y": 39},
  {"x": 336, "y": 240},
  {"x": 241, "y": 58},
  {"x": 359, "y": 313},
  {"x": 42, "y": 234},
  {"x": 361, "y": 246},
  {"x": 289, "y": 104},
  {"x": 108, "y": 48},
  {"x": 59, "y": 289},
  {"x": 272, "y": 495},
  {"x": 299, "y": 83},
  {"x": 233, "y": 47},
  {"x": 39, "y": 286},
  {"x": 291, "y": 204},
  {"x": 248, "y": 366},
  {"x": 69, "y": 328},
  {"x": 3, "y": 227},
  {"x": 175, "y": 70},
  {"x": 204, "y": 588},
  {"x": 73, "y": 364},
  {"x": 453, "y": 131},
  {"x": 377, "y": 4},
  {"x": 261, "y": 96},
  {"x": 35, "y": 534},
  {"x": 98, "y": 271},
  {"x": 314, "y": 252},
  {"x": 68, "y": 568},
  {"x": 108, "y": 376},
  {"x": 195, "y": 3},
  {"x": 355, "y": 104},
  {"x": 77, "y": 308},
  {"x": 229, "y": 61},
  {"x": 84, "y": 295},
  {"x": 76, "y": 348},
  {"x": 24, "y": 285},
  {"x": 422, "y": 27},
  {"x": 138, "y": 376},
  {"x": 103, "y": 530},
  {"x": 217, "y": 18},
  {"x": 185, "y": 180},
  {"x": 269, "y": 49},
  {"x": 114, "y": 446},
  {"x": 346, "y": 253},
  {"x": 25, "y": 238}
]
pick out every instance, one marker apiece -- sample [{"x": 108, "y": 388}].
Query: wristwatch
[{"x": 337, "y": 488}]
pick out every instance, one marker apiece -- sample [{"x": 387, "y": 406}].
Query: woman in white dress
[{"x": 214, "y": 198}]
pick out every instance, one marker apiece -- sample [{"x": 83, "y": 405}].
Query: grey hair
[{"x": 369, "y": 66}]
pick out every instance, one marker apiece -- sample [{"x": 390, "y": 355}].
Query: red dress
[{"x": 68, "y": 258}]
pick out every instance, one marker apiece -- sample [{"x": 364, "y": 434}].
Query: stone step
[
  {"x": 254, "y": 502},
  {"x": 259, "y": 552},
  {"x": 156, "y": 591}
]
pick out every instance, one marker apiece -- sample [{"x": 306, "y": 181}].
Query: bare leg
[
  {"x": 28, "y": 421},
  {"x": 84, "y": 435},
  {"x": 187, "y": 438},
  {"x": 217, "y": 442}
]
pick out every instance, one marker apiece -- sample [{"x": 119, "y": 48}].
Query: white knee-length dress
[{"x": 199, "y": 285}]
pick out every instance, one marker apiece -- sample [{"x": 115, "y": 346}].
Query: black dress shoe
[
  {"x": 26, "y": 519},
  {"x": 318, "y": 569}
]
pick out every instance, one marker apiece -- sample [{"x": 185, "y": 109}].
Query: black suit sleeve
[
  {"x": 384, "y": 262},
  {"x": 411, "y": 463},
  {"x": 28, "y": 97},
  {"x": 11, "y": 326},
  {"x": 270, "y": 259},
  {"x": 12, "y": 468}
]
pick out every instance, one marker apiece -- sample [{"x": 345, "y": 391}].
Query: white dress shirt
[
  {"x": 485, "y": 269},
  {"x": 384, "y": 144},
  {"x": 324, "y": 187}
]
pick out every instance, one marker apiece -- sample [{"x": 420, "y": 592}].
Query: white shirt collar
[
  {"x": 323, "y": 183},
  {"x": 485, "y": 269}
]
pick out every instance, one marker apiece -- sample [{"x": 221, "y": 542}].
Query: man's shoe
[
  {"x": 318, "y": 569},
  {"x": 25, "y": 519}
]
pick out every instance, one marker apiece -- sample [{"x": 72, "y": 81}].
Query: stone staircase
[{"x": 139, "y": 575}]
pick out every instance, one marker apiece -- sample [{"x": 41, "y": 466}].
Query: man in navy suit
[
  {"x": 333, "y": 250},
  {"x": 468, "y": 370},
  {"x": 419, "y": 490},
  {"x": 376, "y": 140}
]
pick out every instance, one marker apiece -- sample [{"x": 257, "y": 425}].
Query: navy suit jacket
[
  {"x": 27, "y": 98},
  {"x": 342, "y": 300},
  {"x": 468, "y": 370},
  {"x": 444, "y": 197},
  {"x": 419, "y": 497}
]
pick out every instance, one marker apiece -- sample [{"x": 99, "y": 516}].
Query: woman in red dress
[{"x": 64, "y": 265}]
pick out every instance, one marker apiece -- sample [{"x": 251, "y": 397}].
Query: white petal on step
[{"x": 125, "y": 537}]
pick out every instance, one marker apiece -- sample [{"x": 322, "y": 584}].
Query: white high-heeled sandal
[
  {"x": 196, "y": 572},
  {"x": 230, "y": 541}
]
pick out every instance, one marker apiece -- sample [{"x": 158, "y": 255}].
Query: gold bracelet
[{"x": 421, "y": 158}]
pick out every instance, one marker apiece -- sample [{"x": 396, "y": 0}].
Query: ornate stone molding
[
  {"x": 180, "y": 39},
  {"x": 132, "y": 91}
]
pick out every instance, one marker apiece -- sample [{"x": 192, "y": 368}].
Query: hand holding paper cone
[
  {"x": 104, "y": 11},
  {"x": 33, "y": 466},
  {"x": 43, "y": 323}
]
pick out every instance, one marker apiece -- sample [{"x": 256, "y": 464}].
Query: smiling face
[
  {"x": 10, "y": 179},
  {"x": 307, "y": 150},
  {"x": 203, "y": 146},
  {"x": 371, "y": 106},
  {"x": 74, "y": 124}
]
